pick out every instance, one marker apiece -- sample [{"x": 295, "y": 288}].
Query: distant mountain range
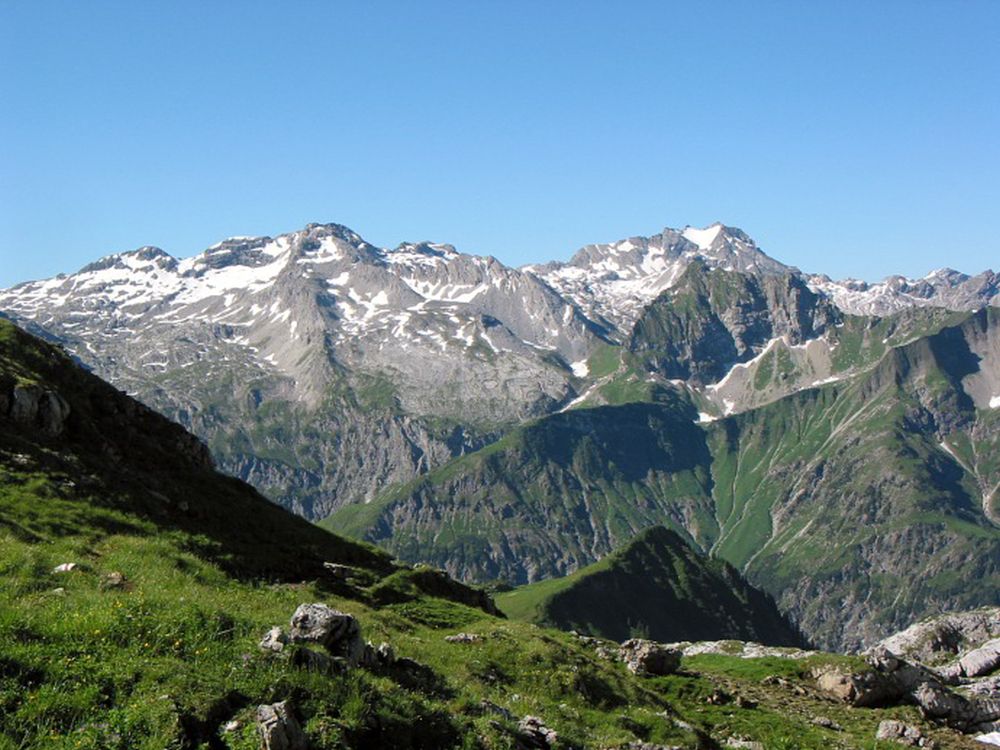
[{"x": 827, "y": 438}]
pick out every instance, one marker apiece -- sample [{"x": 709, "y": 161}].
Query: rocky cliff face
[{"x": 711, "y": 320}]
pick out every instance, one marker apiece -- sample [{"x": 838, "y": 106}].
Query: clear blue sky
[{"x": 854, "y": 138}]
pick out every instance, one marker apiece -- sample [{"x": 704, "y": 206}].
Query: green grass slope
[
  {"x": 114, "y": 455},
  {"x": 597, "y": 475},
  {"x": 656, "y": 587}
]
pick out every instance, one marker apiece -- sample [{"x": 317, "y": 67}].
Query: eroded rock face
[
  {"x": 938, "y": 640},
  {"x": 32, "y": 405},
  {"x": 338, "y": 632},
  {"x": 649, "y": 658},
  {"x": 279, "y": 729},
  {"x": 902, "y": 733}
]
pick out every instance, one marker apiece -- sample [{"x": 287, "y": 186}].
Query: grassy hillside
[
  {"x": 597, "y": 475},
  {"x": 656, "y": 587}
]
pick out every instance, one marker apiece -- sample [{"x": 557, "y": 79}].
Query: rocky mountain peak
[
  {"x": 945, "y": 288},
  {"x": 429, "y": 332},
  {"x": 142, "y": 259},
  {"x": 613, "y": 282},
  {"x": 430, "y": 249}
]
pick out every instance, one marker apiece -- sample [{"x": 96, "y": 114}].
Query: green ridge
[{"x": 656, "y": 587}]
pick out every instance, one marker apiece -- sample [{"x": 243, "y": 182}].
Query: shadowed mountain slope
[{"x": 657, "y": 587}]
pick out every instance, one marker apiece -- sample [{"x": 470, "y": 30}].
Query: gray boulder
[
  {"x": 937, "y": 702},
  {"x": 862, "y": 689},
  {"x": 984, "y": 687},
  {"x": 937, "y": 640},
  {"x": 649, "y": 657},
  {"x": 986, "y": 709},
  {"x": 275, "y": 640},
  {"x": 338, "y": 632},
  {"x": 905, "y": 734},
  {"x": 279, "y": 729},
  {"x": 339, "y": 572},
  {"x": 382, "y": 655},
  {"x": 464, "y": 638},
  {"x": 893, "y": 681},
  {"x": 114, "y": 580},
  {"x": 981, "y": 661},
  {"x": 534, "y": 734}
]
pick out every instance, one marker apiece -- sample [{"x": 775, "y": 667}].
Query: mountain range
[{"x": 832, "y": 440}]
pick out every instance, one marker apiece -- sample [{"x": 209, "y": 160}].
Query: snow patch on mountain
[
  {"x": 741, "y": 366},
  {"x": 703, "y": 238}
]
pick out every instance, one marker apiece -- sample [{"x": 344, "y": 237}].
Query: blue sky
[{"x": 854, "y": 138}]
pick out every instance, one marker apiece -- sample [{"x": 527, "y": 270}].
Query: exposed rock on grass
[
  {"x": 279, "y": 729},
  {"x": 274, "y": 640},
  {"x": 338, "y": 632},
  {"x": 904, "y": 734},
  {"x": 649, "y": 658}
]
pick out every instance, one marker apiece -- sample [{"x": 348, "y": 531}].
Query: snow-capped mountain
[
  {"x": 323, "y": 368},
  {"x": 300, "y": 304},
  {"x": 945, "y": 288},
  {"x": 613, "y": 282}
]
